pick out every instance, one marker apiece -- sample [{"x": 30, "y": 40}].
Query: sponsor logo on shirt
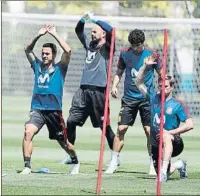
[
  {"x": 90, "y": 56},
  {"x": 43, "y": 80}
]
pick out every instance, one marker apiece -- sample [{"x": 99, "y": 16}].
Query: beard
[{"x": 94, "y": 44}]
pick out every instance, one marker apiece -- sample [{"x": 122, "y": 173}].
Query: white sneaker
[
  {"x": 74, "y": 169},
  {"x": 183, "y": 169},
  {"x": 26, "y": 170},
  {"x": 152, "y": 171},
  {"x": 66, "y": 160},
  {"x": 112, "y": 167}
]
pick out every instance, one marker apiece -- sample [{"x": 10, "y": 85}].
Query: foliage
[{"x": 196, "y": 12}]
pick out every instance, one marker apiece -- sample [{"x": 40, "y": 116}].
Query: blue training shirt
[
  {"x": 175, "y": 111},
  {"x": 48, "y": 86},
  {"x": 132, "y": 62}
]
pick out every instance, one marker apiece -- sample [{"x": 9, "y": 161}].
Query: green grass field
[{"x": 131, "y": 179}]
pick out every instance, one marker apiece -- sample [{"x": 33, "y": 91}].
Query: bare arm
[
  {"x": 158, "y": 67},
  {"x": 140, "y": 80},
  {"x": 140, "y": 77},
  {"x": 29, "y": 48},
  {"x": 67, "y": 50},
  {"x": 117, "y": 77},
  {"x": 120, "y": 70},
  {"x": 187, "y": 126}
]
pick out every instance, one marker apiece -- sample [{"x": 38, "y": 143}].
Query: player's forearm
[
  {"x": 62, "y": 43},
  {"x": 32, "y": 43},
  {"x": 116, "y": 81},
  {"x": 187, "y": 126},
  {"x": 159, "y": 71},
  {"x": 117, "y": 77},
  {"x": 80, "y": 31},
  {"x": 140, "y": 79}
]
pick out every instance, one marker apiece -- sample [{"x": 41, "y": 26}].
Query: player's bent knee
[
  {"x": 122, "y": 129},
  {"x": 30, "y": 131},
  {"x": 28, "y": 135}
]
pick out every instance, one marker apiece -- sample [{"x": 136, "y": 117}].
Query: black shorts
[
  {"x": 178, "y": 147},
  {"x": 53, "y": 120},
  {"x": 129, "y": 110},
  {"x": 88, "y": 101}
]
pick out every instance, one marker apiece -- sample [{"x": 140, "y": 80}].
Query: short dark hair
[
  {"x": 52, "y": 46},
  {"x": 169, "y": 78},
  {"x": 136, "y": 36}
]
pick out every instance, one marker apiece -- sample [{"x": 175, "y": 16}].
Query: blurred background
[
  {"x": 137, "y": 8},
  {"x": 21, "y": 20}
]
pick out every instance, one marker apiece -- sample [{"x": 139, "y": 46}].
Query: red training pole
[
  {"x": 162, "y": 110},
  {"x": 98, "y": 185}
]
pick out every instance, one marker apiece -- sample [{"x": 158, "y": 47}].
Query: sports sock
[
  {"x": 74, "y": 159},
  {"x": 165, "y": 165},
  {"x": 27, "y": 162},
  {"x": 115, "y": 156}
]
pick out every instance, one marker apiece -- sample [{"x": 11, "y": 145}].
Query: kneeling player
[{"x": 175, "y": 111}]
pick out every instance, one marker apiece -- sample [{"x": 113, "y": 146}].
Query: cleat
[
  {"x": 75, "y": 169},
  {"x": 26, "y": 170},
  {"x": 66, "y": 160},
  {"x": 112, "y": 168},
  {"x": 183, "y": 170}
]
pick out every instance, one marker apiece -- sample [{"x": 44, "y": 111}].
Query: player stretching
[
  {"x": 175, "y": 111},
  {"x": 130, "y": 61},
  {"x": 89, "y": 100},
  {"x": 46, "y": 105}
]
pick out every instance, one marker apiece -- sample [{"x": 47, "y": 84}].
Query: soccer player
[
  {"x": 130, "y": 61},
  {"x": 46, "y": 105},
  {"x": 89, "y": 99},
  {"x": 175, "y": 111}
]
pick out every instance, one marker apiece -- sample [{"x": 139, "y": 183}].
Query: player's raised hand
[
  {"x": 51, "y": 28},
  {"x": 88, "y": 16},
  {"x": 43, "y": 30},
  {"x": 151, "y": 60},
  {"x": 114, "y": 92}
]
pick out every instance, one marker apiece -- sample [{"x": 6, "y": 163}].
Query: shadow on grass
[
  {"x": 126, "y": 172},
  {"x": 154, "y": 178},
  {"x": 88, "y": 192},
  {"x": 131, "y": 172}
]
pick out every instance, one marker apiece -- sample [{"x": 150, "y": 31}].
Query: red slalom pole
[
  {"x": 98, "y": 185},
  {"x": 162, "y": 110}
]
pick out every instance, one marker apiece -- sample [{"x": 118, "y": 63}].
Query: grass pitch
[{"x": 131, "y": 179}]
